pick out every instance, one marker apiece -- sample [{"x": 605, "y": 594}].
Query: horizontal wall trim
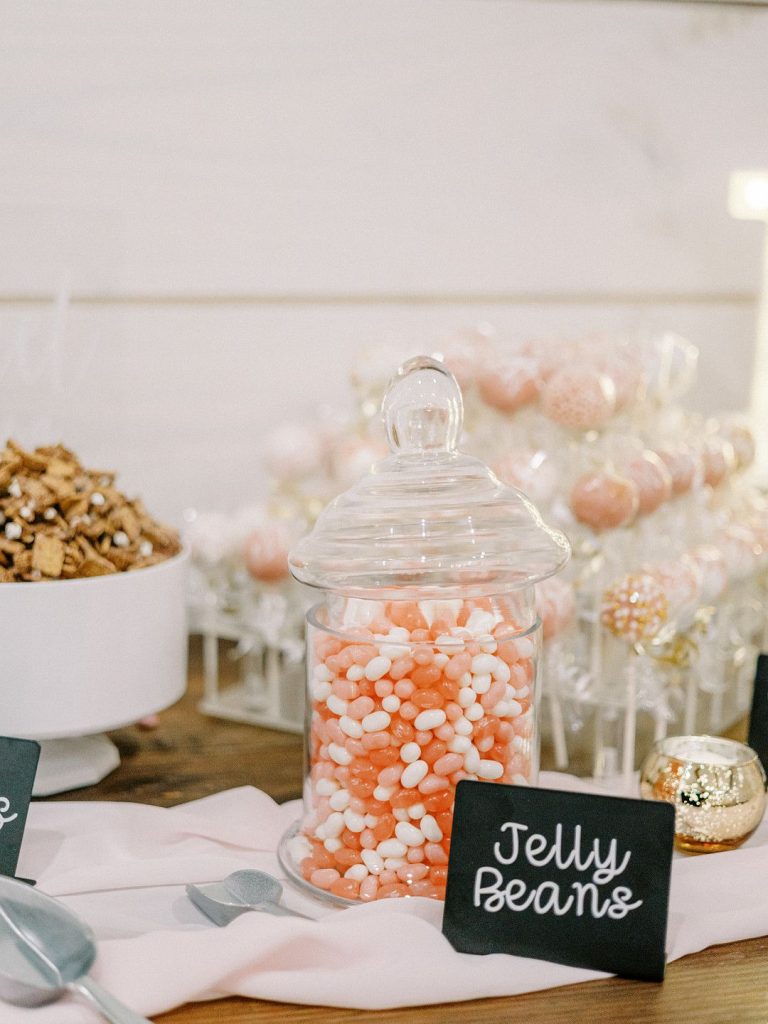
[{"x": 396, "y": 299}]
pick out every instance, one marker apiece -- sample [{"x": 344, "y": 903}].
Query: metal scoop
[
  {"x": 243, "y": 890},
  {"x": 46, "y": 951}
]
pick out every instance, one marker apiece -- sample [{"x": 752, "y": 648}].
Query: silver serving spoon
[
  {"x": 239, "y": 892},
  {"x": 45, "y": 951}
]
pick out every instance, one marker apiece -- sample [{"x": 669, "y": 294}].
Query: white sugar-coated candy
[
  {"x": 376, "y": 721},
  {"x": 339, "y": 754},
  {"x": 326, "y": 787},
  {"x": 333, "y": 825},
  {"x": 514, "y": 708},
  {"x": 472, "y": 761},
  {"x": 340, "y": 800},
  {"x": 431, "y": 719},
  {"x": 474, "y": 713},
  {"x": 391, "y": 704},
  {"x": 322, "y": 673},
  {"x": 440, "y": 660},
  {"x": 393, "y": 651},
  {"x": 501, "y": 671},
  {"x": 371, "y": 820},
  {"x": 355, "y": 822},
  {"x": 409, "y": 834},
  {"x": 459, "y": 744},
  {"x": 463, "y": 727},
  {"x": 413, "y": 774},
  {"x": 416, "y": 811},
  {"x": 355, "y": 673},
  {"x": 350, "y": 727},
  {"x": 432, "y": 831},
  {"x": 357, "y": 872},
  {"x": 321, "y": 690},
  {"x": 400, "y": 813},
  {"x": 373, "y": 861},
  {"x": 393, "y": 863},
  {"x": 482, "y": 683},
  {"x": 466, "y": 697},
  {"x": 490, "y": 770},
  {"x": 377, "y": 667},
  {"x": 383, "y": 793},
  {"x": 337, "y": 705},
  {"x": 482, "y": 663},
  {"x": 391, "y": 848},
  {"x": 410, "y": 752},
  {"x": 332, "y": 845}
]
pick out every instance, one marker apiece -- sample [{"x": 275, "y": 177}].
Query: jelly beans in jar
[{"x": 422, "y": 656}]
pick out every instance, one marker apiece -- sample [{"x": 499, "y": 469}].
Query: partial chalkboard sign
[
  {"x": 567, "y": 877},
  {"x": 18, "y": 764},
  {"x": 758, "y": 719}
]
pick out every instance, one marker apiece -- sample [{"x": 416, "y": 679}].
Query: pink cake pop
[
  {"x": 634, "y": 608},
  {"x": 266, "y": 553},
  {"x": 579, "y": 397},
  {"x": 530, "y": 471},
  {"x": 510, "y": 385},
  {"x": 718, "y": 459},
  {"x": 653, "y": 481},
  {"x": 605, "y": 500},
  {"x": 681, "y": 464}
]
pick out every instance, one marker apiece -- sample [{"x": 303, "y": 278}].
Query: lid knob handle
[{"x": 422, "y": 407}]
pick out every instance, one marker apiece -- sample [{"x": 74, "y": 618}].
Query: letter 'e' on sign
[
  {"x": 571, "y": 878},
  {"x": 18, "y": 765}
]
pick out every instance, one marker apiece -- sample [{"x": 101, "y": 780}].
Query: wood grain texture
[{"x": 190, "y": 756}]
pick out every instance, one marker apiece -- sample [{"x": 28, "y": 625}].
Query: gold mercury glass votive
[{"x": 717, "y": 787}]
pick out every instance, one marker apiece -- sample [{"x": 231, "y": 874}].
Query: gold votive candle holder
[{"x": 717, "y": 787}]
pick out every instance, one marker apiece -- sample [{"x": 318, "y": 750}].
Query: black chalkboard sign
[
  {"x": 18, "y": 764},
  {"x": 567, "y": 877},
  {"x": 758, "y": 719}
]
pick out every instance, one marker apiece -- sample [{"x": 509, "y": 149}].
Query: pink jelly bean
[
  {"x": 361, "y": 707},
  {"x": 388, "y": 877},
  {"x": 445, "y": 732},
  {"x": 453, "y": 712},
  {"x": 345, "y": 689},
  {"x": 341, "y": 774},
  {"x": 412, "y": 873},
  {"x": 324, "y": 878},
  {"x": 492, "y": 697},
  {"x": 358, "y": 805},
  {"x": 423, "y": 737},
  {"x": 408, "y": 711},
  {"x": 376, "y": 740},
  {"x": 401, "y": 667},
  {"x": 457, "y": 666},
  {"x": 323, "y": 808},
  {"x": 424, "y": 656},
  {"x": 458, "y": 776},
  {"x": 518, "y": 765},
  {"x": 383, "y": 687},
  {"x": 415, "y": 855},
  {"x": 473, "y": 648},
  {"x": 335, "y": 735},
  {"x": 447, "y": 764},
  {"x": 435, "y": 854},
  {"x": 361, "y": 654},
  {"x": 505, "y": 732},
  {"x": 368, "y": 839},
  {"x": 390, "y": 776},
  {"x": 368, "y": 888},
  {"x": 433, "y": 784},
  {"x": 404, "y": 689},
  {"x": 356, "y": 748}
]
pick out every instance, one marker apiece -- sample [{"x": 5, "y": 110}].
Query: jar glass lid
[{"x": 427, "y": 519}]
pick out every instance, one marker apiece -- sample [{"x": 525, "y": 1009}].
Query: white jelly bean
[
  {"x": 399, "y": 633},
  {"x": 350, "y": 727},
  {"x": 393, "y": 863},
  {"x": 400, "y": 813},
  {"x": 524, "y": 647},
  {"x": 482, "y": 684},
  {"x": 488, "y": 645},
  {"x": 337, "y": 705},
  {"x": 440, "y": 660},
  {"x": 357, "y": 872},
  {"x": 355, "y": 673},
  {"x": 462, "y": 727},
  {"x": 416, "y": 811},
  {"x": 467, "y": 696},
  {"x": 333, "y": 825},
  {"x": 391, "y": 704},
  {"x": 501, "y": 671},
  {"x": 322, "y": 673},
  {"x": 332, "y": 845},
  {"x": 474, "y": 713},
  {"x": 326, "y": 787},
  {"x": 500, "y": 710},
  {"x": 409, "y": 834},
  {"x": 522, "y": 693},
  {"x": 514, "y": 708},
  {"x": 377, "y": 667},
  {"x": 393, "y": 651},
  {"x": 391, "y": 848},
  {"x": 413, "y": 774},
  {"x": 371, "y": 820},
  {"x": 460, "y": 744},
  {"x": 376, "y": 721},
  {"x": 340, "y": 800},
  {"x": 430, "y": 719},
  {"x": 485, "y": 745},
  {"x": 471, "y": 761},
  {"x": 490, "y": 770},
  {"x": 355, "y": 822},
  {"x": 518, "y": 743},
  {"x": 321, "y": 691},
  {"x": 431, "y": 829},
  {"x": 383, "y": 793},
  {"x": 481, "y": 622},
  {"x": 482, "y": 663},
  {"x": 410, "y": 752},
  {"x": 339, "y": 754},
  {"x": 373, "y": 861}
]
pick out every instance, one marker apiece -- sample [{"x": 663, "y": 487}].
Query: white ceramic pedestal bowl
[{"x": 81, "y": 656}]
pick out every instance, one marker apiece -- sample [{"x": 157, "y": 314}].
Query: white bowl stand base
[{"x": 73, "y": 763}]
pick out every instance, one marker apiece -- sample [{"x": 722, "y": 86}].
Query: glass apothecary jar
[{"x": 422, "y": 654}]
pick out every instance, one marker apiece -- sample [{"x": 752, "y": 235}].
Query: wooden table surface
[{"x": 190, "y": 756}]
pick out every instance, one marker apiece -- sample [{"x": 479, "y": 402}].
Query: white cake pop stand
[{"x": 83, "y": 656}]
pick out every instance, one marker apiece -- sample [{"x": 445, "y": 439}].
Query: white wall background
[{"x": 238, "y": 196}]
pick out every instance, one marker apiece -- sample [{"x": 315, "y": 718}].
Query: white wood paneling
[
  {"x": 378, "y": 146},
  {"x": 179, "y": 397}
]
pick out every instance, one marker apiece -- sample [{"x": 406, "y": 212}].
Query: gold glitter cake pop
[{"x": 634, "y": 608}]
